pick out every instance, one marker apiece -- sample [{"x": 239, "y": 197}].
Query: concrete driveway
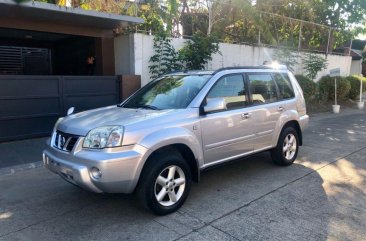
[{"x": 321, "y": 197}]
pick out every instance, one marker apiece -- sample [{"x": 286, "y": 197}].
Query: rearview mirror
[{"x": 214, "y": 104}]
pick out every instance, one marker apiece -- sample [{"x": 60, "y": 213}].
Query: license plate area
[{"x": 64, "y": 171}]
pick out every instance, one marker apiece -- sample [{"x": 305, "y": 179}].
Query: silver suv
[{"x": 160, "y": 139}]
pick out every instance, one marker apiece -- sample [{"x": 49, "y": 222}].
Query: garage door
[{"x": 30, "y": 105}]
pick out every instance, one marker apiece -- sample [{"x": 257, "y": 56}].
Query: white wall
[
  {"x": 124, "y": 54},
  {"x": 356, "y": 67},
  {"x": 231, "y": 55},
  {"x": 143, "y": 50}
]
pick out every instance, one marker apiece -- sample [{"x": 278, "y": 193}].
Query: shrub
[
  {"x": 326, "y": 88},
  {"x": 355, "y": 86},
  {"x": 307, "y": 86}
]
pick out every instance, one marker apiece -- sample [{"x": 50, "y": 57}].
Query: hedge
[
  {"x": 326, "y": 88},
  {"x": 355, "y": 86},
  {"x": 307, "y": 86}
]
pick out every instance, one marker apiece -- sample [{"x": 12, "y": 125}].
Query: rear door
[
  {"x": 229, "y": 133},
  {"x": 265, "y": 99}
]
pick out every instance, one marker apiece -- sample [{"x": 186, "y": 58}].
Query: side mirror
[
  {"x": 215, "y": 104},
  {"x": 70, "y": 110}
]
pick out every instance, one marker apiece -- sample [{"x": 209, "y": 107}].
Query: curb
[{"x": 20, "y": 168}]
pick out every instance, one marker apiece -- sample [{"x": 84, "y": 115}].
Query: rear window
[{"x": 284, "y": 86}]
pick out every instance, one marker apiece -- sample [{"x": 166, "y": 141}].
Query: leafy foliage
[
  {"x": 152, "y": 16},
  {"x": 307, "y": 85},
  {"x": 198, "y": 51},
  {"x": 355, "y": 86},
  {"x": 159, "y": 16},
  {"x": 286, "y": 56},
  {"x": 326, "y": 88},
  {"x": 313, "y": 63},
  {"x": 165, "y": 59},
  {"x": 193, "y": 56},
  {"x": 242, "y": 21}
]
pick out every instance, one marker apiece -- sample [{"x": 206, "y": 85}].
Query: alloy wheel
[
  {"x": 289, "y": 146},
  {"x": 170, "y": 185}
]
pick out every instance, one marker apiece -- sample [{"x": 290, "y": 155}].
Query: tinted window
[
  {"x": 263, "y": 88},
  {"x": 284, "y": 86},
  {"x": 232, "y": 89}
]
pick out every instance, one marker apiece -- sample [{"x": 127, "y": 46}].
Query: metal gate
[
  {"x": 30, "y": 105},
  {"x": 25, "y": 60}
]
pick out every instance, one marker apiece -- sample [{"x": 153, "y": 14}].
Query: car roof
[{"x": 212, "y": 72}]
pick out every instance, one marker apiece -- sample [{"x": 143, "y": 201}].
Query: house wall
[
  {"x": 356, "y": 67},
  {"x": 104, "y": 56},
  {"x": 124, "y": 54},
  {"x": 231, "y": 55}
]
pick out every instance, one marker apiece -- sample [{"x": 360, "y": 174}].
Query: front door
[{"x": 228, "y": 134}]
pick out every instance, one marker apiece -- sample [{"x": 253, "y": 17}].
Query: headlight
[{"x": 105, "y": 136}]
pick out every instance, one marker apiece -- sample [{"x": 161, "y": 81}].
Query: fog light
[{"x": 95, "y": 173}]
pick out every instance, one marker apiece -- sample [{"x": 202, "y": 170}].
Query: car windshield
[{"x": 168, "y": 92}]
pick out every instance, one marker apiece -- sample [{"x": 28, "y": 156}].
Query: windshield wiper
[{"x": 151, "y": 107}]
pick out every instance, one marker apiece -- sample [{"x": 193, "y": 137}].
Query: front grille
[{"x": 64, "y": 141}]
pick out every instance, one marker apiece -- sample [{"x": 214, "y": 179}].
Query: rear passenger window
[
  {"x": 263, "y": 88},
  {"x": 232, "y": 89},
  {"x": 284, "y": 86}
]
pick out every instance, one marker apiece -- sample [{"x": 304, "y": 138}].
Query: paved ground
[
  {"x": 19, "y": 154},
  {"x": 321, "y": 197}
]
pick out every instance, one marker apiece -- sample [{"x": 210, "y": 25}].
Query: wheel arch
[
  {"x": 295, "y": 124},
  {"x": 186, "y": 153}
]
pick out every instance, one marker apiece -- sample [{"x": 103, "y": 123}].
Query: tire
[
  {"x": 165, "y": 182},
  {"x": 285, "y": 153}
]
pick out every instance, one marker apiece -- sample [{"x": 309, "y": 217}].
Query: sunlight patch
[{"x": 5, "y": 215}]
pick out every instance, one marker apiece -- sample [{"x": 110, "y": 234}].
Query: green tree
[
  {"x": 313, "y": 64},
  {"x": 165, "y": 58},
  {"x": 286, "y": 56},
  {"x": 198, "y": 51}
]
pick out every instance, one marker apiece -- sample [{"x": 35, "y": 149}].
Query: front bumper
[{"x": 120, "y": 167}]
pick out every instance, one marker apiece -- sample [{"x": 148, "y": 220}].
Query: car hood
[{"x": 81, "y": 123}]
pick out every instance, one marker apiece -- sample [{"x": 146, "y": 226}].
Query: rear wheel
[
  {"x": 285, "y": 152},
  {"x": 165, "y": 183}
]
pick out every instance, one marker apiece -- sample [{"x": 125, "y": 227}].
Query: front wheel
[
  {"x": 285, "y": 153},
  {"x": 165, "y": 183}
]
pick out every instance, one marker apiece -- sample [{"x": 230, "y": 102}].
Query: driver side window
[{"x": 232, "y": 89}]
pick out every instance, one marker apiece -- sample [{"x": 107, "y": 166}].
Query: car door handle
[
  {"x": 246, "y": 115},
  {"x": 281, "y": 109}
]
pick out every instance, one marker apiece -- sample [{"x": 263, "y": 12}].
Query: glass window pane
[
  {"x": 232, "y": 89},
  {"x": 263, "y": 88},
  {"x": 169, "y": 92},
  {"x": 284, "y": 86}
]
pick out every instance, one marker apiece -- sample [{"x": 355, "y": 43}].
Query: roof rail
[
  {"x": 243, "y": 67},
  {"x": 275, "y": 65},
  {"x": 266, "y": 66}
]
